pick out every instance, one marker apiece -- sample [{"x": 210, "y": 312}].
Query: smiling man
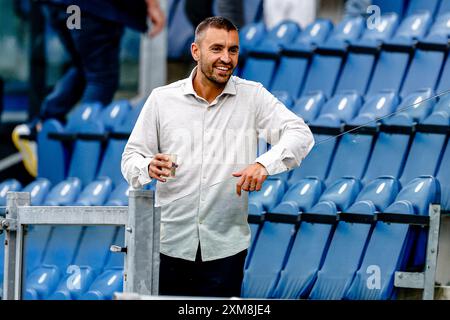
[{"x": 211, "y": 121}]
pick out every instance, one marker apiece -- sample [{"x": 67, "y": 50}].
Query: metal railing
[{"x": 141, "y": 221}]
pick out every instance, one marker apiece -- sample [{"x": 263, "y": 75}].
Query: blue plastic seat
[
  {"x": 119, "y": 196},
  {"x": 349, "y": 240},
  {"x": 440, "y": 30},
  {"x": 443, "y": 9},
  {"x": 425, "y": 153},
  {"x": 267, "y": 198},
  {"x": 412, "y": 28},
  {"x": 250, "y": 36},
  {"x": 7, "y": 186},
  {"x": 64, "y": 193},
  {"x": 111, "y": 279},
  {"x": 54, "y": 156},
  {"x": 376, "y": 106},
  {"x": 390, "y": 246},
  {"x": 309, "y": 105},
  {"x": 318, "y": 161},
  {"x": 423, "y": 5},
  {"x": 275, "y": 239},
  {"x": 296, "y": 56},
  {"x": 89, "y": 262},
  {"x": 339, "y": 109},
  {"x": 95, "y": 193},
  {"x": 414, "y": 108},
  {"x": 351, "y": 157},
  {"x": 38, "y": 190},
  {"x": 384, "y": 30},
  {"x": 262, "y": 61},
  {"x": 312, "y": 240},
  {"x": 59, "y": 254}
]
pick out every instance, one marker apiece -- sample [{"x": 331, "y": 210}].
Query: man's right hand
[{"x": 160, "y": 167}]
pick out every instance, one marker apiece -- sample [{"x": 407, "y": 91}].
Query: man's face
[{"x": 217, "y": 54}]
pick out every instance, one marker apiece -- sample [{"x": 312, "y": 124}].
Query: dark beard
[{"x": 214, "y": 79}]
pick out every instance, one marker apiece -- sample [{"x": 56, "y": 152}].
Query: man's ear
[{"x": 195, "y": 51}]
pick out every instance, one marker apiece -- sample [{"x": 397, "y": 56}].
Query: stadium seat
[
  {"x": 443, "y": 9},
  {"x": 111, "y": 279},
  {"x": 382, "y": 31},
  {"x": 440, "y": 30},
  {"x": 250, "y": 36},
  {"x": 312, "y": 240},
  {"x": 423, "y": 5},
  {"x": 296, "y": 56},
  {"x": 376, "y": 106},
  {"x": 267, "y": 198},
  {"x": 309, "y": 105},
  {"x": 414, "y": 108},
  {"x": 262, "y": 60},
  {"x": 54, "y": 155},
  {"x": 318, "y": 161},
  {"x": 390, "y": 245},
  {"x": 399, "y": 7},
  {"x": 90, "y": 260},
  {"x": 59, "y": 254},
  {"x": 7, "y": 186},
  {"x": 412, "y": 28},
  {"x": 275, "y": 239},
  {"x": 119, "y": 196},
  {"x": 38, "y": 190},
  {"x": 339, "y": 109},
  {"x": 349, "y": 240}
]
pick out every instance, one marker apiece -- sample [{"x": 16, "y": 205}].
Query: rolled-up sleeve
[
  {"x": 141, "y": 146},
  {"x": 290, "y": 137}
]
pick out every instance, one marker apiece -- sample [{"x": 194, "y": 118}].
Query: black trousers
[{"x": 216, "y": 278}]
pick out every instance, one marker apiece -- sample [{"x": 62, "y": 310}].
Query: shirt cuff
[
  {"x": 272, "y": 162},
  {"x": 144, "y": 177}
]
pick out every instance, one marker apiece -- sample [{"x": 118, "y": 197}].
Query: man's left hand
[{"x": 252, "y": 178}]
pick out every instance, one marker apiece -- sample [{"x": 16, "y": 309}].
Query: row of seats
[{"x": 315, "y": 259}]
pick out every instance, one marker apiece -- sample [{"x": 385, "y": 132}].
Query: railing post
[
  {"x": 141, "y": 273},
  {"x": 432, "y": 252},
  {"x": 12, "y": 283}
]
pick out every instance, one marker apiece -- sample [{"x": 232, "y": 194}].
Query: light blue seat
[
  {"x": 89, "y": 262},
  {"x": 64, "y": 193},
  {"x": 312, "y": 240},
  {"x": 339, "y": 109},
  {"x": 384, "y": 30},
  {"x": 262, "y": 60},
  {"x": 267, "y": 198},
  {"x": 7, "y": 186},
  {"x": 318, "y": 161},
  {"x": 309, "y": 105},
  {"x": 443, "y": 9},
  {"x": 376, "y": 106},
  {"x": 54, "y": 155},
  {"x": 59, "y": 254},
  {"x": 95, "y": 193},
  {"x": 423, "y": 5},
  {"x": 440, "y": 30},
  {"x": 119, "y": 196},
  {"x": 351, "y": 157},
  {"x": 349, "y": 240},
  {"x": 296, "y": 56},
  {"x": 275, "y": 239},
  {"x": 412, "y": 28},
  {"x": 111, "y": 279},
  {"x": 414, "y": 108},
  {"x": 390, "y": 246},
  {"x": 250, "y": 36}
]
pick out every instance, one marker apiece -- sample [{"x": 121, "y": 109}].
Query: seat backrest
[
  {"x": 268, "y": 197},
  {"x": 7, "y": 186},
  {"x": 80, "y": 115},
  {"x": 341, "y": 108},
  {"x": 384, "y": 29},
  {"x": 283, "y": 33},
  {"x": 423, "y": 5},
  {"x": 415, "y": 107},
  {"x": 351, "y": 158},
  {"x": 38, "y": 190},
  {"x": 64, "y": 193},
  {"x": 309, "y": 105},
  {"x": 86, "y": 154},
  {"x": 381, "y": 192},
  {"x": 444, "y": 8},
  {"x": 413, "y": 27},
  {"x": 376, "y": 106},
  {"x": 420, "y": 192},
  {"x": 250, "y": 36},
  {"x": 341, "y": 193},
  {"x": 424, "y": 71},
  {"x": 440, "y": 30},
  {"x": 304, "y": 194},
  {"x": 347, "y": 30},
  {"x": 316, "y": 32},
  {"x": 114, "y": 114}
]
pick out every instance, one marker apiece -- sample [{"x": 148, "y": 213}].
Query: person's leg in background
[
  {"x": 303, "y": 12},
  {"x": 197, "y": 10},
  {"x": 233, "y": 10},
  {"x": 176, "y": 276},
  {"x": 65, "y": 94}
]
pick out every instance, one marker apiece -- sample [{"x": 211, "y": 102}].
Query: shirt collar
[{"x": 230, "y": 87}]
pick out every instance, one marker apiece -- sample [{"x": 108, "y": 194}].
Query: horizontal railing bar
[{"x": 49, "y": 215}]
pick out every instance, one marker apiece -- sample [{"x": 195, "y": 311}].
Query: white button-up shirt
[{"x": 211, "y": 141}]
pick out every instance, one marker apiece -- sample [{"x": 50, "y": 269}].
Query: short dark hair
[{"x": 214, "y": 22}]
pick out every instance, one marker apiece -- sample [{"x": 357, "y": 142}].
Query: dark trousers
[
  {"x": 216, "y": 278},
  {"x": 94, "y": 53}
]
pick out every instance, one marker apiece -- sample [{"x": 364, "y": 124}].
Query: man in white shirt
[{"x": 211, "y": 121}]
